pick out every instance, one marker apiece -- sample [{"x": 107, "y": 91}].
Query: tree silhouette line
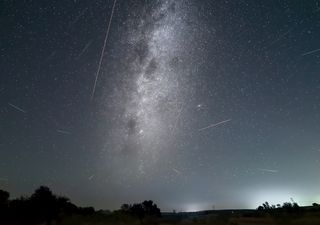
[
  {"x": 141, "y": 210},
  {"x": 286, "y": 206},
  {"x": 41, "y": 207},
  {"x": 45, "y": 207}
]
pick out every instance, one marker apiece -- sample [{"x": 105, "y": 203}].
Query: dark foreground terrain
[
  {"x": 45, "y": 208},
  {"x": 216, "y": 217}
]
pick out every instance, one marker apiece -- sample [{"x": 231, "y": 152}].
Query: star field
[{"x": 197, "y": 103}]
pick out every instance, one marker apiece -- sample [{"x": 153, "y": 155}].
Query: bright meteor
[{"x": 215, "y": 124}]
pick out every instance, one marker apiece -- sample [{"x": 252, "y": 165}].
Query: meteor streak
[
  {"x": 63, "y": 132},
  {"x": 268, "y": 170},
  {"x": 177, "y": 171},
  {"x": 17, "y": 108},
  {"x": 214, "y": 125},
  {"x": 102, "y": 51},
  {"x": 310, "y": 52}
]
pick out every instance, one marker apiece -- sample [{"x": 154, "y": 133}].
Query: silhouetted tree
[
  {"x": 65, "y": 206},
  {"x": 287, "y": 206},
  {"x": 20, "y": 210},
  {"x": 146, "y": 208},
  {"x": 260, "y": 208},
  {"x": 4, "y": 203},
  {"x": 42, "y": 207},
  {"x": 4, "y": 199},
  {"x": 44, "y": 202},
  {"x": 315, "y": 206},
  {"x": 295, "y": 205},
  {"x": 266, "y": 206},
  {"x": 137, "y": 210},
  {"x": 151, "y": 208},
  {"x": 125, "y": 207}
]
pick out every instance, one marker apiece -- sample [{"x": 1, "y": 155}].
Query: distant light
[
  {"x": 194, "y": 207},
  {"x": 273, "y": 197}
]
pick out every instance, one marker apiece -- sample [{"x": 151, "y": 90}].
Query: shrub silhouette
[
  {"x": 287, "y": 207},
  {"x": 260, "y": 208},
  {"x": 41, "y": 207},
  {"x": 4, "y": 203},
  {"x": 266, "y": 206},
  {"x": 290, "y": 207},
  {"x": 4, "y": 198},
  {"x": 141, "y": 210},
  {"x": 45, "y": 204}
]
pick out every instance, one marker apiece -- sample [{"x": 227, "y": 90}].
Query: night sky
[{"x": 197, "y": 103}]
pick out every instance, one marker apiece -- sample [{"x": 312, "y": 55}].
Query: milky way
[{"x": 151, "y": 94}]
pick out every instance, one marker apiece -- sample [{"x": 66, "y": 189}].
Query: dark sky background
[{"x": 198, "y": 103}]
